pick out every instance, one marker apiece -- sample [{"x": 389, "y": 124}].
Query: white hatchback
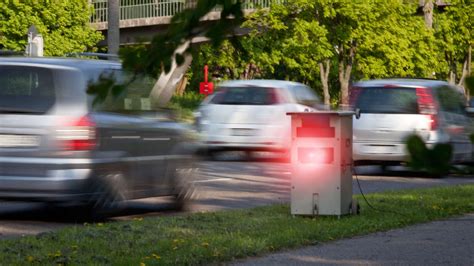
[{"x": 251, "y": 115}]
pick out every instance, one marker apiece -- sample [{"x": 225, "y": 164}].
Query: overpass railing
[{"x": 144, "y": 9}]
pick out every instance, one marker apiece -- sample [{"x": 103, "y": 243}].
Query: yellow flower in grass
[
  {"x": 155, "y": 256},
  {"x": 142, "y": 264},
  {"x": 205, "y": 244},
  {"x": 30, "y": 258}
]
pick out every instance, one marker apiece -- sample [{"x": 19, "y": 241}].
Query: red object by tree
[{"x": 206, "y": 87}]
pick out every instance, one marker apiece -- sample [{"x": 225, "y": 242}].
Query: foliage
[
  {"x": 283, "y": 42},
  {"x": 435, "y": 161},
  {"x": 64, "y": 25},
  {"x": 291, "y": 40},
  {"x": 454, "y": 31},
  {"x": 398, "y": 45},
  {"x": 302, "y": 39},
  {"x": 225, "y": 62},
  {"x": 185, "y": 105},
  {"x": 217, "y": 237}
]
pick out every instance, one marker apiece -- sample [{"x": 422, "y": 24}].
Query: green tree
[
  {"x": 289, "y": 42},
  {"x": 226, "y": 62},
  {"x": 64, "y": 25},
  {"x": 454, "y": 28},
  {"x": 397, "y": 45},
  {"x": 373, "y": 39},
  {"x": 300, "y": 37}
]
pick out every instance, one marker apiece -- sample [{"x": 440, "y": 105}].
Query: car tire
[
  {"x": 182, "y": 182},
  {"x": 109, "y": 194}
]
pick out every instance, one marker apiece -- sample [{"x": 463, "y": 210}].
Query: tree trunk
[
  {"x": 113, "y": 26},
  {"x": 181, "y": 88},
  {"x": 452, "y": 73},
  {"x": 345, "y": 69},
  {"x": 428, "y": 12},
  {"x": 466, "y": 69},
  {"x": 324, "y": 71}
]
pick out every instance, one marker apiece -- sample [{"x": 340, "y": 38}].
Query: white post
[
  {"x": 35, "y": 42},
  {"x": 37, "y": 46}
]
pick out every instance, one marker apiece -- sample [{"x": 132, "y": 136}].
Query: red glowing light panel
[
  {"x": 316, "y": 155},
  {"x": 316, "y": 127}
]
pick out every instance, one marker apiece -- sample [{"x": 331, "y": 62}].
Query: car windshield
[
  {"x": 26, "y": 89},
  {"x": 392, "y": 100},
  {"x": 245, "y": 96}
]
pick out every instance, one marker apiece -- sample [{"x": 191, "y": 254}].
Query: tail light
[
  {"x": 433, "y": 120},
  {"x": 427, "y": 106},
  {"x": 272, "y": 97},
  {"x": 78, "y": 135}
]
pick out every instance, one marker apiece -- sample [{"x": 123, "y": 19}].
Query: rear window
[
  {"x": 26, "y": 89},
  {"x": 392, "y": 100},
  {"x": 305, "y": 96},
  {"x": 245, "y": 96}
]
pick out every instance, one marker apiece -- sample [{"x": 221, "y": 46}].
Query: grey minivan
[
  {"x": 57, "y": 146},
  {"x": 393, "y": 109}
]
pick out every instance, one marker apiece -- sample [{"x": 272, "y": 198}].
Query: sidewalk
[{"x": 446, "y": 242}]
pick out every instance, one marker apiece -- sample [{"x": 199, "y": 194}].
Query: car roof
[
  {"x": 261, "y": 83},
  {"x": 408, "y": 82},
  {"x": 63, "y": 61}
]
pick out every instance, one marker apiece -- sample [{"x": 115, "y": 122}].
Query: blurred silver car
[
  {"x": 393, "y": 109},
  {"x": 250, "y": 115},
  {"x": 56, "y": 146}
]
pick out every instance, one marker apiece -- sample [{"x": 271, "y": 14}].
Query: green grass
[
  {"x": 185, "y": 105},
  {"x": 203, "y": 238}
]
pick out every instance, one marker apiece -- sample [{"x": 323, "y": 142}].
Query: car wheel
[
  {"x": 109, "y": 194},
  {"x": 182, "y": 180}
]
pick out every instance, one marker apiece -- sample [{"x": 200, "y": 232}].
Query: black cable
[
  {"x": 363, "y": 196},
  {"x": 360, "y": 189}
]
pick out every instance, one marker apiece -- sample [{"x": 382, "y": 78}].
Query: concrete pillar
[{"x": 113, "y": 26}]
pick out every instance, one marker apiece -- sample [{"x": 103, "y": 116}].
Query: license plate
[
  {"x": 381, "y": 149},
  {"x": 243, "y": 132},
  {"x": 18, "y": 141}
]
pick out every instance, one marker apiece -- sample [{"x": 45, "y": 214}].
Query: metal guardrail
[{"x": 142, "y": 9}]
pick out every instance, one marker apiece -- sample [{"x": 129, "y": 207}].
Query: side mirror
[{"x": 357, "y": 113}]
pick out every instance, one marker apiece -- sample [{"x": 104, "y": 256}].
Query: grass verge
[{"x": 203, "y": 238}]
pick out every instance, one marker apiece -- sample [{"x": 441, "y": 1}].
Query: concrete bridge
[{"x": 142, "y": 19}]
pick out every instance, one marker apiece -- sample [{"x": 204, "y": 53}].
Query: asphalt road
[{"x": 220, "y": 185}]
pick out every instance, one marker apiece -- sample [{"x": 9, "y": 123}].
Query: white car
[
  {"x": 251, "y": 115},
  {"x": 393, "y": 109}
]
